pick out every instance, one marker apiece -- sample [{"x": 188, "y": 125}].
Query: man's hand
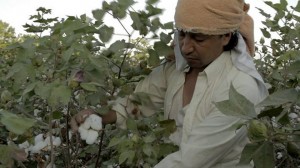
[{"x": 79, "y": 118}]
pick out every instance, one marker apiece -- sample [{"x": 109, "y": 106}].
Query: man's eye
[{"x": 199, "y": 40}]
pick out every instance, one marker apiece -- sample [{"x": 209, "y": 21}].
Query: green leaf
[
  {"x": 169, "y": 126},
  {"x": 147, "y": 149},
  {"x": 98, "y": 14},
  {"x": 247, "y": 154},
  {"x": 293, "y": 68},
  {"x": 5, "y": 155},
  {"x": 297, "y": 7},
  {"x": 166, "y": 148},
  {"x": 127, "y": 155},
  {"x": 153, "y": 59},
  {"x": 57, "y": 115},
  {"x": 271, "y": 112},
  {"x": 14, "y": 123},
  {"x": 29, "y": 88},
  {"x": 151, "y": 2},
  {"x": 265, "y": 33},
  {"x": 106, "y": 33},
  {"x": 149, "y": 138},
  {"x": 89, "y": 87},
  {"x": 169, "y": 25},
  {"x": 262, "y": 12},
  {"x": 131, "y": 124},
  {"x": 126, "y": 3},
  {"x": 43, "y": 90},
  {"x": 115, "y": 141},
  {"x": 60, "y": 95},
  {"x": 264, "y": 156},
  {"x": 162, "y": 48},
  {"x": 67, "y": 54},
  {"x": 280, "y": 97},
  {"x": 237, "y": 105}
]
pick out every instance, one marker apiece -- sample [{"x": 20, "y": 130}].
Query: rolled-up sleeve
[{"x": 154, "y": 85}]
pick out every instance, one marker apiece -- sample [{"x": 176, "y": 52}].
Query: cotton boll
[
  {"x": 47, "y": 140},
  {"x": 39, "y": 146},
  {"x": 92, "y": 136},
  {"x": 70, "y": 135},
  {"x": 83, "y": 132},
  {"x": 293, "y": 115},
  {"x": 57, "y": 141},
  {"x": 24, "y": 145},
  {"x": 87, "y": 123},
  {"x": 38, "y": 138},
  {"x": 96, "y": 122}
]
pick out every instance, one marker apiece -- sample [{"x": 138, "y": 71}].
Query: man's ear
[{"x": 226, "y": 38}]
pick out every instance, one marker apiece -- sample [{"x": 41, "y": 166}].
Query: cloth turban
[{"x": 215, "y": 17}]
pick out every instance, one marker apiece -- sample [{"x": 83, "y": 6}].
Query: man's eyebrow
[{"x": 200, "y": 35}]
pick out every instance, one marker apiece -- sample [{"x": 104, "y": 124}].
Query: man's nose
[{"x": 187, "y": 45}]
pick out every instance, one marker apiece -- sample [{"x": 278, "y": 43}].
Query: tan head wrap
[{"x": 215, "y": 17}]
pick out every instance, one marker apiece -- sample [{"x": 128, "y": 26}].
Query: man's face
[{"x": 200, "y": 50}]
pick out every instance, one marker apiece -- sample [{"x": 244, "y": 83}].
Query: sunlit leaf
[
  {"x": 237, "y": 105},
  {"x": 280, "y": 97}
]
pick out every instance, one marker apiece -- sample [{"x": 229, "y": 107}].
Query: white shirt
[{"x": 206, "y": 137}]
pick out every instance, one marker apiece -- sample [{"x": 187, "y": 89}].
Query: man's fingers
[{"x": 79, "y": 118}]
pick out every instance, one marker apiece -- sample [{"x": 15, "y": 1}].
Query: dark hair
[{"x": 232, "y": 42}]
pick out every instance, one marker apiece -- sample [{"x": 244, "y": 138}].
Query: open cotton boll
[
  {"x": 24, "y": 145},
  {"x": 57, "y": 141},
  {"x": 87, "y": 123},
  {"x": 38, "y": 147},
  {"x": 83, "y": 132},
  {"x": 38, "y": 138},
  {"x": 92, "y": 136},
  {"x": 96, "y": 122}
]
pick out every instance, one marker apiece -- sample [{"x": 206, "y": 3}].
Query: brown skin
[
  {"x": 79, "y": 118},
  {"x": 199, "y": 50}
]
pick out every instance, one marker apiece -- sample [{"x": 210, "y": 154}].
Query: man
[{"x": 211, "y": 54}]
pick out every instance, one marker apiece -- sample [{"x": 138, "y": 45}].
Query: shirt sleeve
[
  {"x": 154, "y": 86},
  {"x": 213, "y": 139}
]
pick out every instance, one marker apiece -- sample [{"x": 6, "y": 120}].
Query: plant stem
[
  {"x": 99, "y": 151},
  {"x": 51, "y": 140}
]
